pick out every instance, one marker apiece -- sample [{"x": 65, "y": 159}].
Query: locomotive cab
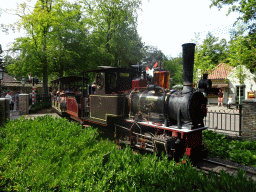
[{"x": 108, "y": 101}]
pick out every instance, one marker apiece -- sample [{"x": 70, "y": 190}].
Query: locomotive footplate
[
  {"x": 152, "y": 137},
  {"x": 161, "y": 126}
]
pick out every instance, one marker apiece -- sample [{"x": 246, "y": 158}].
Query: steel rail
[{"x": 229, "y": 166}]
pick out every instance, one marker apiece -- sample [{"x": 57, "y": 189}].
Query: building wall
[
  {"x": 249, "y": 85},
  {"x": 249, "y": 82}
]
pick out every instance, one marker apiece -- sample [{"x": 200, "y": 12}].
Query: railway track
[{"x": 213, "y": 166}]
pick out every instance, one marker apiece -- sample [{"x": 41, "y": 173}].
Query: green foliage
[
  {"x": 239, "y": 151},
  {"x": 48, "y": 154},
  {"x": 175, "y": 68},
  {"x": 39, "y": 106},
  {"x": 209, "y": 54},
  {"x": 151, "y": 55},
  {"x": 242, "y": 52},
  {"x": 53, "y": 154},
  {"x": 66, "y": 38},
  {"x": 114, "y": 34}
]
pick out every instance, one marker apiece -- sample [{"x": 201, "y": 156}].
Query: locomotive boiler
[
  {"x": 144, "y": 115},
  {"x": 185, "y": 109}
]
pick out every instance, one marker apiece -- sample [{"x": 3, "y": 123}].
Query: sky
[{"x": 165, "y": 24}]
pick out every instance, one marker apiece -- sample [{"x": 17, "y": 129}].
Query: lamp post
[
  {"x": 23, "y": 81},
  {"x": 1, "y": 78}
]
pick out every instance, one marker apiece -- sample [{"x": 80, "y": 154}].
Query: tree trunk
[{"x": 45, "y": 66}]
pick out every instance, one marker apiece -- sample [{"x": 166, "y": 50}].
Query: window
[
  {"x": 100, "y": 80},
  {"x": 112, "y": 77},
  {"x": 242, "y": 91}
]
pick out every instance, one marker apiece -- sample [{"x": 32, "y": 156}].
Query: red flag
[
  {"x": 155, "y": 65},
  {"x": 147, "y": 68},
  {"x": 29, "y": 77}
]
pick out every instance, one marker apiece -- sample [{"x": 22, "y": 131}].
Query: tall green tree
[
  {"x": 113, "y": 24},
  {"x": 242, "y": 52},
  {"x": 210, "y": 53},
  {"x": 51, "y": 44},
  {"x": 175, "y": 68},
  {"x": 34, "y": 56},
  {"x": 151, "y": 55}
]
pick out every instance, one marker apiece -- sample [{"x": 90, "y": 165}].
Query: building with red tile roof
[
  {"x": 219, "y": 75},
  {"x": 221, "y": 71}
]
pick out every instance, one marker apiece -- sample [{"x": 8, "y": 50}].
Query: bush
[
  {"x": 53, "y": 154},
  {"x": 239, "y": 151},
  {"x": 39, "y": 106}
]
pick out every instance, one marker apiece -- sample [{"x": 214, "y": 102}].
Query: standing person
[
  {"x": 8, "y": 96},
  {"x": 230, "y": 101},
  {"x": 17, "y": 100},
  {"x": 13, "y": 99},
  {"x": 220, "y": 98}
]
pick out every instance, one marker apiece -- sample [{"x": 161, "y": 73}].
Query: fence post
[{"x": 240, "y": 120}]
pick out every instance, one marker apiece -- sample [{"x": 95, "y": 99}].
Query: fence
[{"x": 228, "y": 120}]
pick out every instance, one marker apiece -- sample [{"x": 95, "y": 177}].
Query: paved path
[{"x": 12, "y": 117}]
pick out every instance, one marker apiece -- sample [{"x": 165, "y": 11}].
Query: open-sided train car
[
  {"x": 62, "y": 88},
  {"x": 146, "y": 116}
]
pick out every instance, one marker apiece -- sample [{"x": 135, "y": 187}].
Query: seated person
[{"x": 63, "y": 101}]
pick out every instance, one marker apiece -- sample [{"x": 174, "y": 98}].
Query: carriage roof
[{"x": 68, "y": 79}]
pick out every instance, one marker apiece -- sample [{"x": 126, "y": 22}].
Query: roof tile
[{"x": 221, "y": 71}]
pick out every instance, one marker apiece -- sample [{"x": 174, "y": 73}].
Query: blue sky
[{"x": 166, "y": 24}]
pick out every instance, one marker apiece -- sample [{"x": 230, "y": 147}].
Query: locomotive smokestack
[{"x": 188, "y": 51}]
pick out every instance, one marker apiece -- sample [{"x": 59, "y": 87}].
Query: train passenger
[
  {"x": 54, "y": 92},
  {"x": 63, "y": 100},
  {"x": 93, "y": 87},
  {"x": 78, "y": 92}
]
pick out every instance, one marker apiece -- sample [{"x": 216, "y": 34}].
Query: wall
[
  {"x": 249, "y": 81},
  {"x": 24, "y": 104},
  {"x": 249, "y": 119}
]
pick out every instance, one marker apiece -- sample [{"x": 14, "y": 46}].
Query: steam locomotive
[{"x": 142, "y": 115}]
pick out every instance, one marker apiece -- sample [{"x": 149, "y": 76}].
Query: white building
[
  {"x": 227, "y": 78},
  {"x": 241, "y": 77}
]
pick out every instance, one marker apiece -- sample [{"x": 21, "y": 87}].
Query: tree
[
  {"x": 175, "y": 68},
  {"x": 242, "y": 52},
  {"x": 245, "y": 8},
  {"x": 151, "y": 55},
  {"x": 52, "y": 29},
  {"x": 209, "y": 54},
  {"x": 69, "y": 41},
  {"x": 113, "y": 24}
]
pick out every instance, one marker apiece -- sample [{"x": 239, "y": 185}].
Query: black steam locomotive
[{"x": 145, "y": 116}]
